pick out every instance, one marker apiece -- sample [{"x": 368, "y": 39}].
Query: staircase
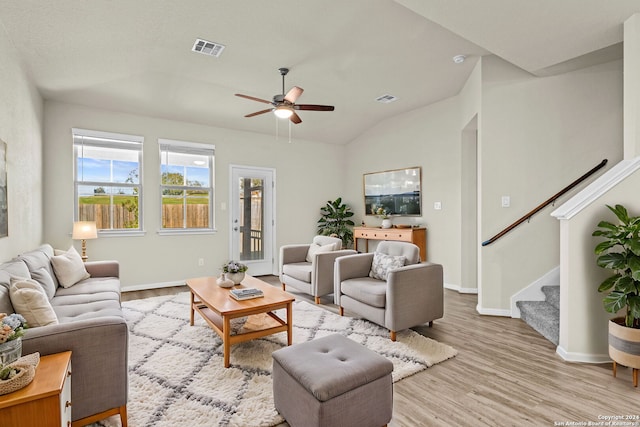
[{"x": 543, "y": 316}]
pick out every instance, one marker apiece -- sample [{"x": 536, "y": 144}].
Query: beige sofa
[{"x": 90, "y": 323}]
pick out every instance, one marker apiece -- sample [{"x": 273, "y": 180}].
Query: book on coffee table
[{"x": 246, "y": 293}]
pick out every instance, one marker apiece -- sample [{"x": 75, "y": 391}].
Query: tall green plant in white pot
[{"x": 620, "y": 252}]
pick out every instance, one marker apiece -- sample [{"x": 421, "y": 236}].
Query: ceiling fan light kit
[
  {"x": 284, "y": 105},
  {"x": 283, "y": 111}
]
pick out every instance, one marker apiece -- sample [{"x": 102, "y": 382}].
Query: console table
[{"x": 417, "y": 236}]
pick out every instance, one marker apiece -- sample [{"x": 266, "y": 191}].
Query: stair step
[
  {"x": 552, "y": 293},
  {"x": 543, "y": 317}
]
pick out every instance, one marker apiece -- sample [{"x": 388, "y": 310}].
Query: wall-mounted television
[{"x": 396, "y": 191}]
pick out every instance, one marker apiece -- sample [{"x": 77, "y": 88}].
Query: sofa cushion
[
  {"x": 298, "y": 270},
  {"x": 44, "y": 279},
  {"x": 85, "y": 309},
  {"x": 370, "y": 291},
  {"x": 383, "y": 263},
  {"x": 69, "y": 267},
  {"x": 29, "y": 300},
  {"x": 316, "y": 249},
  {"x": 39, "y": 258},
  {"x": 93, "y": 285}
]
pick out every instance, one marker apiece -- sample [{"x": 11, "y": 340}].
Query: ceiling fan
[{"x": 284, "y": 105}]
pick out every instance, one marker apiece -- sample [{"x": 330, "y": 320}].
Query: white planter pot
[
  {"x": 236, "y": 278},
  {"x": 386, "y": 223}
]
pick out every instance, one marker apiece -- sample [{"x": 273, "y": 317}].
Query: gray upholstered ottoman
[{"x": 332, "y": 381}]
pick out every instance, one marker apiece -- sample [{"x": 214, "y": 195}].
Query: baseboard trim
[
  {"x": 493, "y": 311},
  {"x": 146, "y": 286},
  {"x": 460, "y": 289},
  {"x": 582, "y": 357}
]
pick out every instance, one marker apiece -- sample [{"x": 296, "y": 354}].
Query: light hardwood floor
[{"x": 505, "y": 374}]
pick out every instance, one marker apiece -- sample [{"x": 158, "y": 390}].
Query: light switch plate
[
  {"x": 437, "y": 205},
  {"x": 506, "y": 201}
]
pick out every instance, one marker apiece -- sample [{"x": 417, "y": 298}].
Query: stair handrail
[{"x": 546, "y": 203}]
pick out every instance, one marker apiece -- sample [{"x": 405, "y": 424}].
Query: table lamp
[{"x": 83, "y": 230}]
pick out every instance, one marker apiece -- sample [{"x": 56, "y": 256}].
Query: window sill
[
  {"x": 183, "y": 232},
  {"x": 121, "y": 233}
]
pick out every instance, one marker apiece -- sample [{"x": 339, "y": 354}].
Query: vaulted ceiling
[{"x": 135, "y": 56}]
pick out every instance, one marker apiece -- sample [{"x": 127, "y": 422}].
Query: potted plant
[
  {"x": 234, "y": 271},
  {"x": 335, "y": 219},
  {"x": 383, "y": 214},
  {"x": 620, "y": 252}
]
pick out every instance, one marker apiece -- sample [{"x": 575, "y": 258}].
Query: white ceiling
[{"x": 135, "y": 56}]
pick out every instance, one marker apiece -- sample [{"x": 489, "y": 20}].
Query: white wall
[
  {"x": 21, "y": 129},
  {"x": 583, "y": 320},
  {"x": 307, "y": 175},
  {"x": 632, "y": 87},
  {"x": 428, "y": 137},
  {"x": 537, "y": 136}
]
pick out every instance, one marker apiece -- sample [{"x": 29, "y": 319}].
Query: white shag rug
[{"x": 176, "y": 373}]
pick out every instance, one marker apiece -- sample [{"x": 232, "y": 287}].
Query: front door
[{"x": 252, "y": 218}]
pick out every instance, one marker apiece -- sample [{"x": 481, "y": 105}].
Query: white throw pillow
[
  {"x": 29, "y": 300},
  {"x": 316, "y": 249},
  {"x": 383, "y": 263},
  {"x": 69, "y": 267}
]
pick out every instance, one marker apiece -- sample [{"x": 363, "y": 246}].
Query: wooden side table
[{"x": 46, "y": 401}]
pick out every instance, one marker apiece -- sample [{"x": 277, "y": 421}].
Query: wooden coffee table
[{"x": 217, "y": 308}]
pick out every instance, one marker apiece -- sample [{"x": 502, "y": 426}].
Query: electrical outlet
[
  {"x": 437, "y": 205},
  {"x": 200, "y": 262}
]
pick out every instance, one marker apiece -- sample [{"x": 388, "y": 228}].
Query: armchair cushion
[
  {"x": 325, "y": 240},
  {"x": 383, "y": 263},
  {"x": 366, "y": 290},
  {"x": 317, "y": 249},
  {"x": 298, "y": 270}
]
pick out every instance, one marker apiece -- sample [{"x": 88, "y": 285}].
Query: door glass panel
[{"x": 251, "y": 203}]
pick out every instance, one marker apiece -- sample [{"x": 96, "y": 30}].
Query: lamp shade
[{"x": 83, "y": 230}]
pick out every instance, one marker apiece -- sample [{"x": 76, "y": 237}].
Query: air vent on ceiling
[
  {"x": 385, "y": 99},
  {"x": 208, "y": 48}
]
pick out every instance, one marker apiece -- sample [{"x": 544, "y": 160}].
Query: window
[
  {"x": 107, "y": 181},
  {"x": 186, "y": 186}
]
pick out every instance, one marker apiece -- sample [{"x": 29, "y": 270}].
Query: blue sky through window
[{"x": 101, "y": 170}]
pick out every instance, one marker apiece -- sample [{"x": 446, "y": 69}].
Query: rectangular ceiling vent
[
  {"x": 385, "y": 99},
  {"x": 208, "y": 48}
]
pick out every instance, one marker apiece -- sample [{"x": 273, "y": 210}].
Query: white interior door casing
[{"x": 252, "y": 218}]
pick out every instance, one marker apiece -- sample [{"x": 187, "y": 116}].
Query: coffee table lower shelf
[{"x": 260, "y": 312}]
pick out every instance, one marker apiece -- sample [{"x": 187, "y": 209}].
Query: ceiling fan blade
[
  {"x": 313, "y": 107},
  {"x": 293, "y": 94},
  {"x": 268, "y": 110},
  {"x": 253, "y": 98},
  {"x": 295, "y": 118}
]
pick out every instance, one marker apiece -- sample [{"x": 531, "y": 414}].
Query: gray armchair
[
  {"x": 412, "y": 294},
  {"x": 309, "y": 267}
]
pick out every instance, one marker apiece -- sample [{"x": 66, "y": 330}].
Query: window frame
[
  {"x": 108, "y": 140},
  {"x": 187, "y": 147}
]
